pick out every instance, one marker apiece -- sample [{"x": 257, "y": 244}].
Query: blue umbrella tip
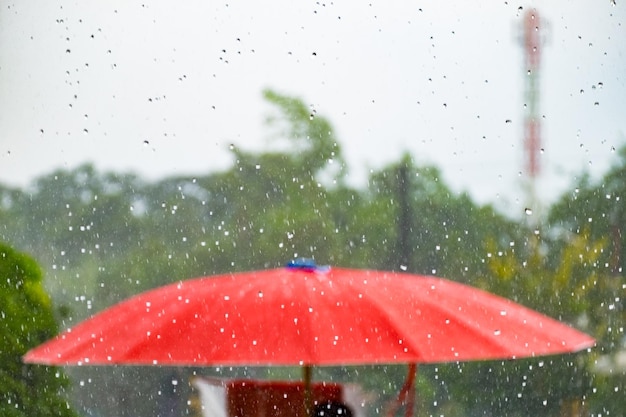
[{"x": 305, "y": 264}]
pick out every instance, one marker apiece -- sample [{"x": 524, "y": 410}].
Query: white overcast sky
[{"x": 162, "y": 88}]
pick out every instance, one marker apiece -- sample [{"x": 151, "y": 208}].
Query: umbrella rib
[
  {"x": 494, "y": 335},
  {"x": 394, "y": 322}
]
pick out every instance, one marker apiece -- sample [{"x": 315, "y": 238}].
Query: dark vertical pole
[
  {"x": 307, "y": 376},
  {"x": 406, "y": 396},
  {"x": 404, "y": 217},
  {"x": 616, "y": 234}
]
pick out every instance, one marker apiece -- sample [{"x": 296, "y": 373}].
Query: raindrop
[
  {"x": 528, "y": 211},
  {"x": 497, "y": 332}
]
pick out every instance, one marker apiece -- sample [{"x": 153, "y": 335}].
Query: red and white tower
[{"x": 533, "y": 36}]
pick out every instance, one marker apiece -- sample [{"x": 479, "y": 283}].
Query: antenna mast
[{"x": 532, "y": 39}]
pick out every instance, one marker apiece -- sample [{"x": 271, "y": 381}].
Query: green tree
[
  {"x": 27, "y": 320},
  {"x": 444, "y": 233},
  {"x": 272, "y": 206},
  {"x": 312, "y": 144},
  {"x": 597, "y": 207},
  {"x": 573, "y": 290},
  {"x": 587, "y": 226}
]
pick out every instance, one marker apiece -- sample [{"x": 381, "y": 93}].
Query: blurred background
[{"x": 143, "y": 143}]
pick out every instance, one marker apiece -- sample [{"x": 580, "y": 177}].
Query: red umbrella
[{"x": 304, "y": 315}]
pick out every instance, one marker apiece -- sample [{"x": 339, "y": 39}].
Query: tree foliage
[{"x": 27, "y": 320}]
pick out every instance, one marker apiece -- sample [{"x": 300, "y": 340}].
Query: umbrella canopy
[{"x": 303, "y": 315}]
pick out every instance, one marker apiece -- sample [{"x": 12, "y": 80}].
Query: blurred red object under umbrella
[{"x": 307, "y": 315}]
